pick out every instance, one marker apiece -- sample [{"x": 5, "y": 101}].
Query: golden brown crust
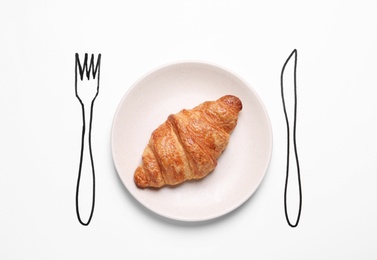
[{"x": 187, "y": 145}]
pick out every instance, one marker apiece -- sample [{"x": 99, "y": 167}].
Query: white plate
[{"x": 240, "y": 168}]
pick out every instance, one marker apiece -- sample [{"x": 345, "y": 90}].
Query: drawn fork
[{"x": 87, "y": 77}]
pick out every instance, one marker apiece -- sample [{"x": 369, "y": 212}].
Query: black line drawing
[
  {"x": 293, "y": 54},
  {"x": 87, "y": 76}
]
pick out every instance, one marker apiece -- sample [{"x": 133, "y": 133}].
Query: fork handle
[{"x": 85, "y": 189}]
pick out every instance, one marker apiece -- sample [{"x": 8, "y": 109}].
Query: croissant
[{"x": 187, "y": 145}]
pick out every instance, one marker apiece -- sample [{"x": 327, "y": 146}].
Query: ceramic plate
[{"x": 241, "y": 167}]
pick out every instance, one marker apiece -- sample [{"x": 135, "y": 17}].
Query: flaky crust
[{"x": 187, "y": 145}]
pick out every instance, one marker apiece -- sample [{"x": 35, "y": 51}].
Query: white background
[{"x": 41, "y": 125}]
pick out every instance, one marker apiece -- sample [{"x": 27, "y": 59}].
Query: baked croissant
[{"x": 187, "y": 145}]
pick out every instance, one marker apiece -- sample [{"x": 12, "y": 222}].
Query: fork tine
[
  {"x": 94, "y": 69},
  {"x": 84, "y": 69},
  {"x": 80, "y": 69}
]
